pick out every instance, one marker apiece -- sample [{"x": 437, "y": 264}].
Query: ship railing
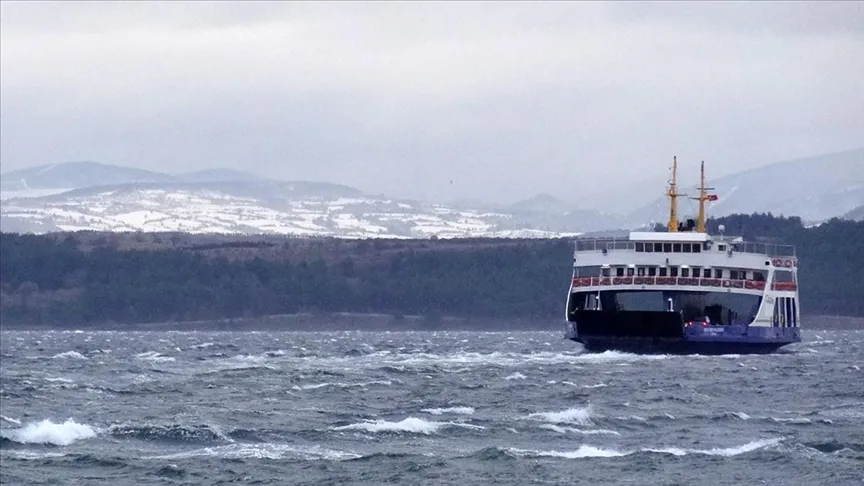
[
  {"x": 606, "y": 243},
  {"x": 624, "y": 243},
  {"x": 682, "y": 281}
]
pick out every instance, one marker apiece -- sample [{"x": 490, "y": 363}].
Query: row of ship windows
[
  {"x": 785, "y": 312},
  {"x": 732, "y": 274},
  {"x": 676, "y": 247}
]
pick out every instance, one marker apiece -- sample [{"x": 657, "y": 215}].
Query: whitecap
[
  {"x": 582, "y": 452},
  {"x": 581, "y": 416},
  {"x": 263, "y": 451},
  {"x": 611, "y": 356},
  {"x": 596, "y": 385},
  {"x": 411, "y": 424},
  {"x": 70, "y": 355},
  {"x": 587, "y": 451},
  {"x": 10, "y": 420},
  {"x": 795, "y": 420},
  {"x": 58, "y": 380},
  {"x": 726, "y": 451},
  {"x": 564, "y": 430},
  {"x": 48, "y": 432},
  {"x": 515, "y": 376},
  {"x": 316, "y": 386},
  {"x": 154, "y": 356},
  {"x": 457, "y": 410}
]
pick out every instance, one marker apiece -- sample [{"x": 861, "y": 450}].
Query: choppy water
[{"x": 422, "y": 408}]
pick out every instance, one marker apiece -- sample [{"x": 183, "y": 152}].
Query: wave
[
  {"x": 411, "y": 425},
  {"x": 588, "y": 451},
  {"x": 4, "y": 418},
  {"x": 69, "y": 355},
  {"x": 402, "y": 362},
  {"x": 170, "y": 433},
  {"x": 564, "y": 430},
  {"x": 154, "y": 356},
  {"x": 49, "y": 433},
  {"x": 580, "y": 416},
  {"x": 341, "y": 385},
  {"x": 263, "y": 451},
  {"x": 581, "y": 452},
  {"x": 457, "y": 410},
  {"x": 598, "y": 385},
  {"x": 727, "y": 451},
  {"x": 619, "y": 356}
]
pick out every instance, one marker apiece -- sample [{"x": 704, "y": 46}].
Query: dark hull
[{"x": 665, "y": 332}]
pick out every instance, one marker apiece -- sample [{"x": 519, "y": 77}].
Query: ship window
[
  {"x": 676, "y": 247},
  {"x": 673, "y": 271},
  {"x": 640, "y": 247},
  {"x": 733, "y": 274},
  {"x": 706, "y": 272},
  {"x": 619, "y": 272},
  {"x": 640, "y": 271},
  {"x": 721, "y": 247},
  {"x": 658, "y": 247},
  {"x": 697, "y": 272},
  {"x": 662, "y": 271},
  {"x": 706, "y": 246},
  {"x": 794, "y": 313},
  {"x": 718, "y": 273},
  {"x": 630, "y": 271},
  {"x": 667, "y": 247},
  {"x": 697, "y": 248},
  {"x": 686, "y": 248},
  {"x": 652, "y": 271},
  {"x": 685, "y": 272},
  {"x": 589, "y": 271},
  {"x": 605, "y": 271},
  {"x": 759, "y": 276},
  {"x": 777, "y": 312},
  {"x": 783, "y": 276},
  {"x": 649, "y": 247}
]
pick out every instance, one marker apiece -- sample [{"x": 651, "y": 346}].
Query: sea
[{"x": 418, "y": 408}]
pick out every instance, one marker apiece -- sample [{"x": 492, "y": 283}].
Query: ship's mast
[
  {"x": 703, "y": 197},
  {"x": 672, "y": 193}
]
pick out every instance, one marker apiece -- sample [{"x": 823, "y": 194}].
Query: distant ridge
[
  {"x": 101, "y": 197},
  {"x": 73, "y": 175},
  {"x": 814, "y": 188}
]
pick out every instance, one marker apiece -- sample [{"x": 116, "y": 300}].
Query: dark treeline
[{"x": 81, "y": 278}]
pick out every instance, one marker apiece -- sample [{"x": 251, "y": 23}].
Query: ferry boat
[{"x": 683, "y": 290}]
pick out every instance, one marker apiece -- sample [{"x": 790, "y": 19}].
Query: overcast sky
[{"x": 505, "y": 100}]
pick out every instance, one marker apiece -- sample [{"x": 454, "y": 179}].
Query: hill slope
[
  {"x": 815, "y": 188},
  {"x": 73, "y": 175}
]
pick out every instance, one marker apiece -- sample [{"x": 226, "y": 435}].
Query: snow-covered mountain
[
  {"x": 92, "y": 196},
  {"x": 252, "y": 207},
  {"x": 814, "y": 188}
]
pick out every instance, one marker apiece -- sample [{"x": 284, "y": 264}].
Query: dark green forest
[{"x": 77, "y": 279}]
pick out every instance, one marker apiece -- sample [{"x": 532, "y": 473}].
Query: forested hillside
[{"x": 81, "y": 278}]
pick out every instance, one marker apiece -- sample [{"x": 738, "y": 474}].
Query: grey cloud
[{"x": 506, "y": 100}]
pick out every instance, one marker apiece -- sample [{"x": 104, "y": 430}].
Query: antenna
[
  {"x": 703, "y": 196},
  {"x": 672, "y": 193}
]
